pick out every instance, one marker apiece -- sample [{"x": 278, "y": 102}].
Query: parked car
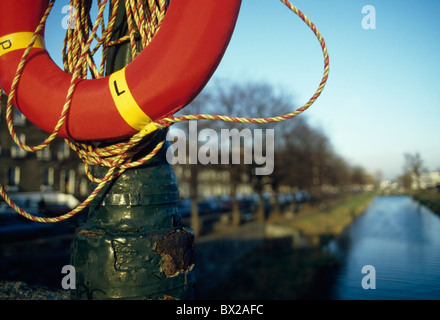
[
  {"x": 184, "y": 207},
  {"x": 14, "y": 226}
]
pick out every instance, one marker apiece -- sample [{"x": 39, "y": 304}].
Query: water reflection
[{"x": 401, "y": 239}]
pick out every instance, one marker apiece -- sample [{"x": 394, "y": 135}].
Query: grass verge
[
  {"x": 332, "y": 221},
  {"x": 429, "y": 199}
]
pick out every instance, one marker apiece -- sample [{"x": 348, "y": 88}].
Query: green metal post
[{"x": 133, "y": 245}]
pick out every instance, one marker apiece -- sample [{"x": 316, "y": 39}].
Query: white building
[{"x": 428, "y": 180}]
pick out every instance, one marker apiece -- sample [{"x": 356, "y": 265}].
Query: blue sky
[{"x": 381, "y": 99}]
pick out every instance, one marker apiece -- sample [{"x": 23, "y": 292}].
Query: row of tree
[
  {"x": 413, "y": 169},
  {"x": 304, "y": 158}
]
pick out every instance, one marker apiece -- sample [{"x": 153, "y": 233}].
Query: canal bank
[
  {"x": 317, "y": 227},
  {"x": 276, "y": 260},
  {"x": 430, "y": 199}
]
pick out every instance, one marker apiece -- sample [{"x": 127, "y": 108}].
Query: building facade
[{"x": 55, "y": 168}]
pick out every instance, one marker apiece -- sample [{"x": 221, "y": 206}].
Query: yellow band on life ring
[
  {"x": 126, "y": 104},
  {"x": 19, "y": 40}
]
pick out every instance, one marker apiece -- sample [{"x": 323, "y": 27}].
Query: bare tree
[
  {"x": 339, "y": 174},
  {"x": 358, "y": 176},
  {"x": 405, "y": 180},
  {"x": 251, "y": 100},
  {"x": 199, "y": 105},
  {"x": 414, "y": 166}
]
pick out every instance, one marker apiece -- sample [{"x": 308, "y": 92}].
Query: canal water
[{"x": 399, "y": 242}]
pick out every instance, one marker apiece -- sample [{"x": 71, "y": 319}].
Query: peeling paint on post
[{"x": 177, "y": 252}]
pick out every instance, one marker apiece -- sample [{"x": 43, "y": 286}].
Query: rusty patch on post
[
  {"x": 165, "y": 297},
  {"x": 91, "y": 234},
  {"x": 177, "y": 252}
]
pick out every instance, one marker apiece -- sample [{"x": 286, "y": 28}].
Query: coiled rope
[{"x": 143, "y": 20}]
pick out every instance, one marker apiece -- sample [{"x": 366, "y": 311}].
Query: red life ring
[{"x": 164, "y": 78}]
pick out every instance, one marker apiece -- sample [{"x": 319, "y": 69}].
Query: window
[
  {"x": 13, "y": 178},
  {"x": 16, "y": 151},
  {"x": 63, "y": 151},
  {"x": 84, "y": 187},
  {"x": 67, "y": 181},
  {"x": 48, "y": 179},
  {"x": 44, "y": 154},
  {"x": 19, "y": 119}
]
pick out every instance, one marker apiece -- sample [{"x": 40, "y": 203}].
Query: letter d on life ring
[{"x": 167, "y": 75}]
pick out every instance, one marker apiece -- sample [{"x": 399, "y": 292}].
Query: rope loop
[{"x": 144, "y": 18}]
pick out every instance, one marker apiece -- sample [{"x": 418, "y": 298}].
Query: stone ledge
[{"x": 17, "y": 290}]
